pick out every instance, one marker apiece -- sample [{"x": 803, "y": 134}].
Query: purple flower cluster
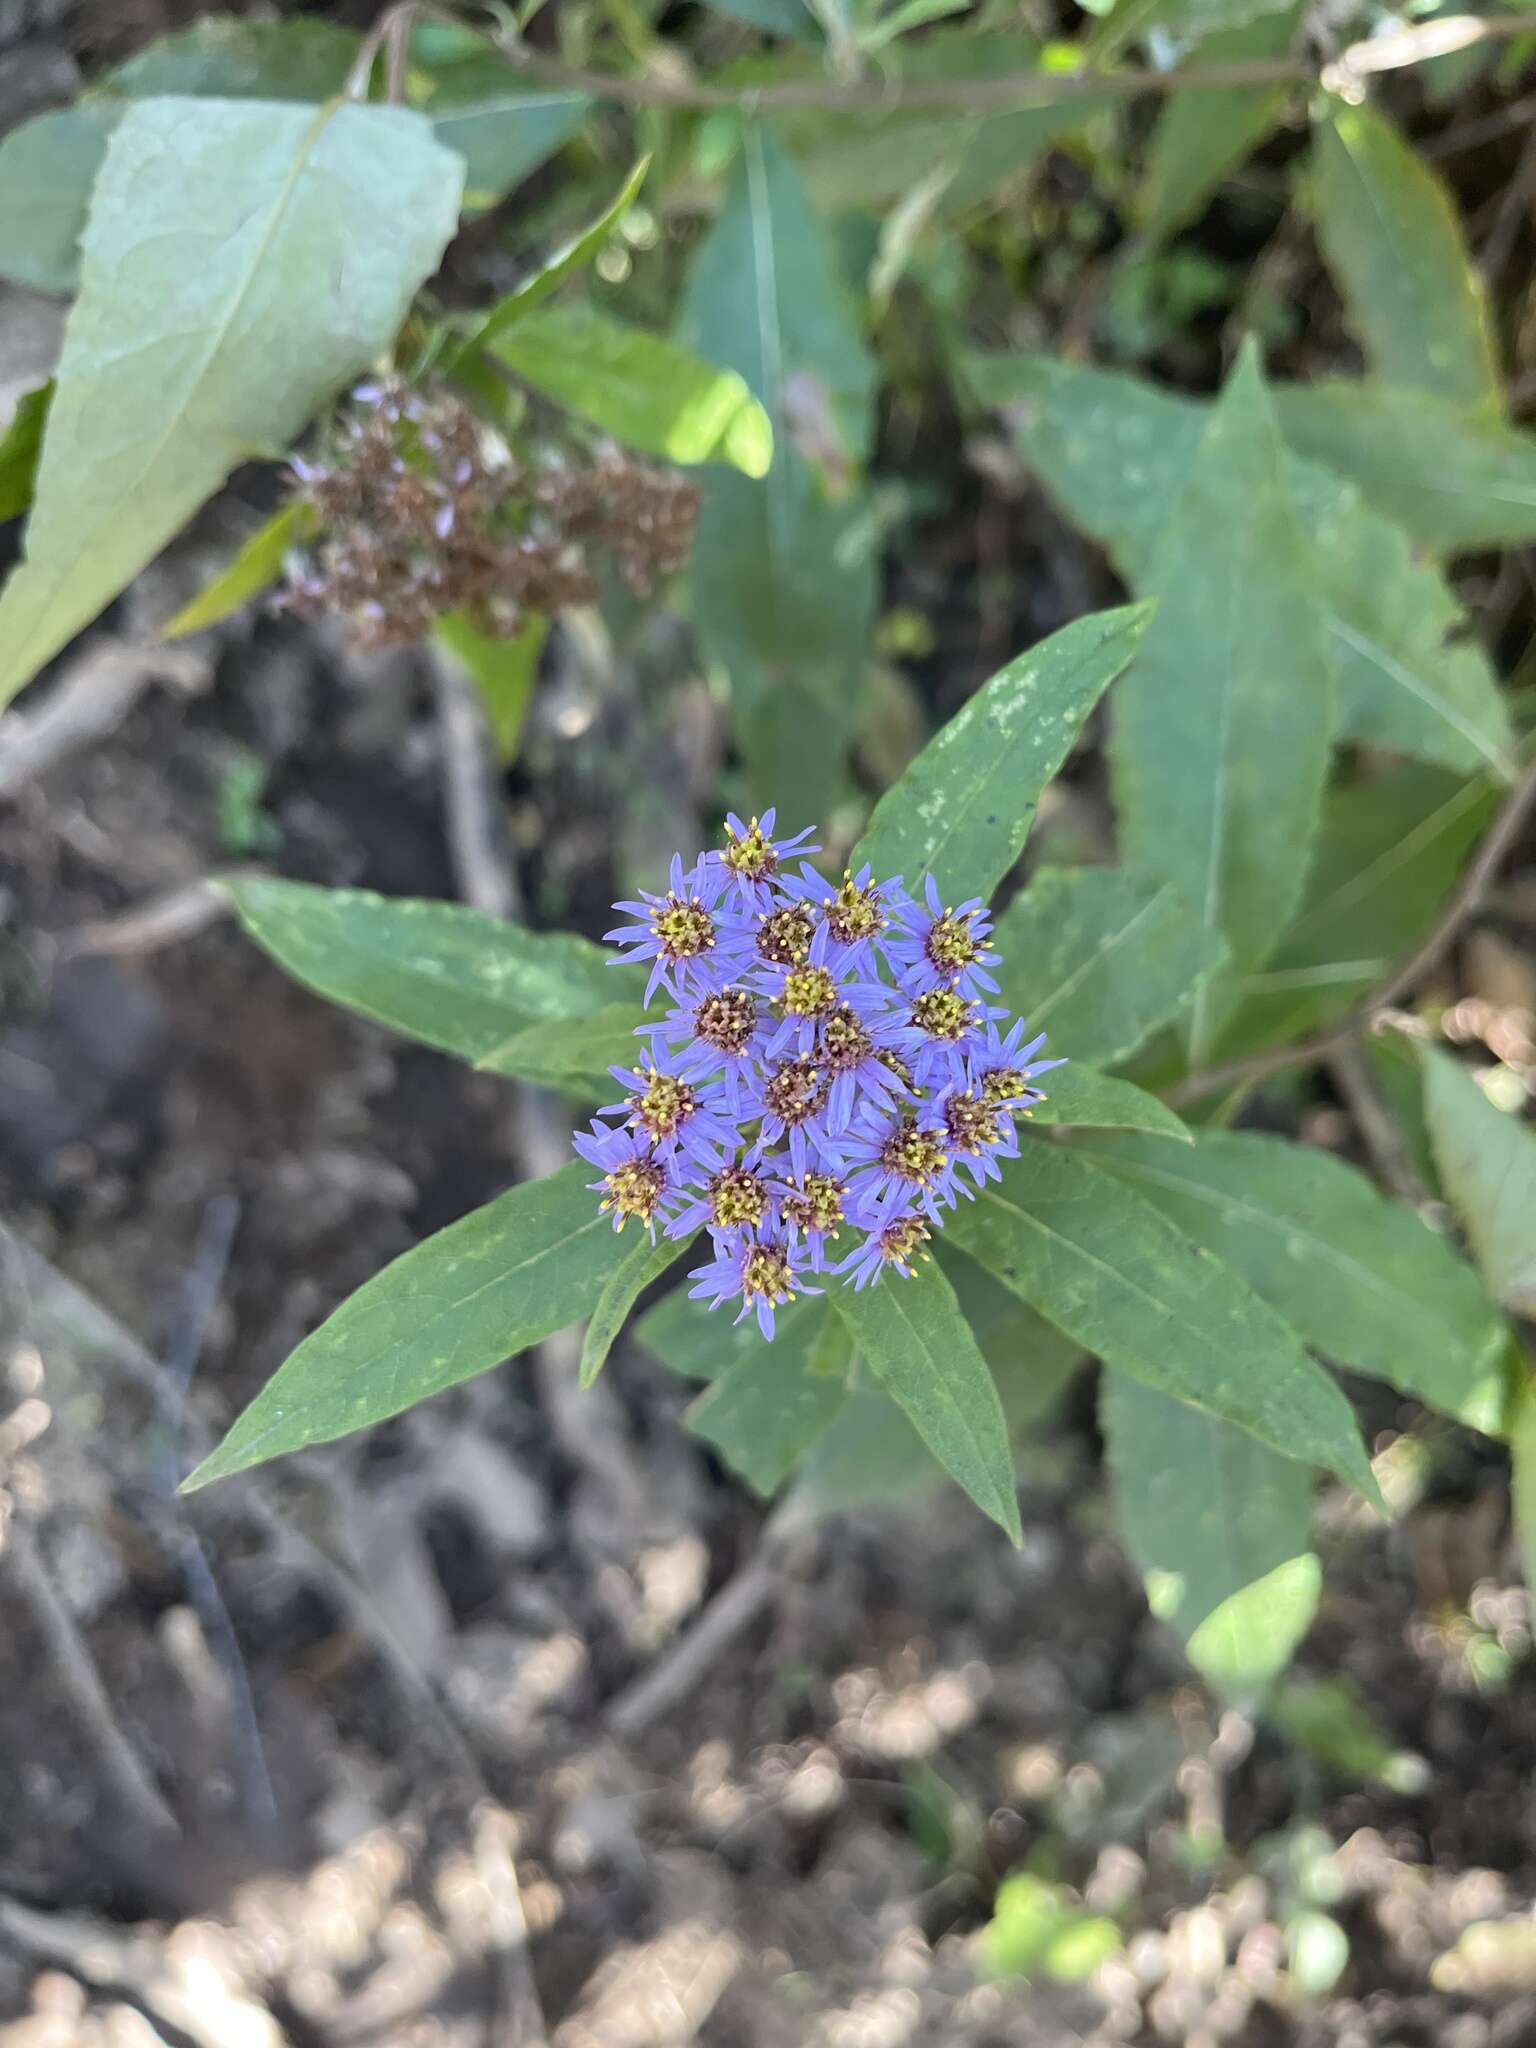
[{"x": 830, "y": 1063}]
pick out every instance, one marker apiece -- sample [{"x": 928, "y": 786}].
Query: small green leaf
[
  {"x": 48, "y": 166},
  {"x": 1101, "y": 959},
  {"x": 1037, "y": 1930},
  {"x": 503, "y": 126},
  {"x": 478, "y": 1292},
  {"x": 1221, "y": 1528},
  {"x": 1222, "y": 728},
  {"x": 963, "y": 809},
  {"x": 1456, "y": 479},
  {"x": 766, "y": 1409},
  {"x": 199, "y": 340},
  {"x": 1486, "y": 1158},
  {"x": 790, "y": 18},
  {"x": 504, "y": 671},
  {"x": 1075, "y": 1094},
  {"x": 765, "y": 298},
  {"x": 437, "y": 972},
  {"x": 638, "y": 386},
  {"x": 19, "y": 449},
  {"x": 1363, "y": 1279},
  {"x": 571, "y": 1051},
  {"x": 642, "y": 1263},
  {"x": 1104, "y": 1265},
  {"x": 914, "y": 1339},
  {"x": 223, "y": 57},
  {"x": 576, "y": 253},
  {"x": 1389, "y": 231},
  {"x": 1201, "y": 137},
  {"x": 254, "y": 569}
]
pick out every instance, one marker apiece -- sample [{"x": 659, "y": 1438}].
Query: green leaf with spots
[
  {"x": 1221, "y": 1528},
  {"x": 1363, "y": 1279},
  {"x": 963, "y": 809},
  {"x": 1101, "y": 959},
  {"x": 573, "y": 1051},
  {"x": 447, "y": 976},
  {"x": 1101, "y": 1262},
  {"x": 1389, "y": 231},
  {"x": 254, "y": 569},
  {"x": 1486, "y": 1159},
  {"x": 462, "y": 1301},
  {"x": 198, "y": 340},
  {"x": 1222, "y": 728},
  {"x": 920, "y": 1348},
  {"x": 639, "y": 387}
]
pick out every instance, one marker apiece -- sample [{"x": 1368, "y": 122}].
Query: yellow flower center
[
  {"x": 726, "y": 1020},
  {"x": 808, "y": 992},
  {"x": 794, "y": 1091},
  {"x": 854, "y": 914},
  {"x": 766, "y": 1272},
  {"x": 971, "y": 1124},
  {"x": 1006, "y": 1084},
  {"x": 899, "y": 1240},
  {"x": 684, "y": 928},
  {"x": 665, "y": 1107},
  {"x": 635, "y": 1189},
  {"x": 913, "y": 1154},
  {"x": 784, "y": 936},
  {"x": 816, "y": 1203},
  {"x": 943, "y": 1014},
  {"x": 752, "y": 855},
  {"x": 845, "y": 1042},
  {"x": 737, "y": 1196},
  {"x": 951, "y": 944}
]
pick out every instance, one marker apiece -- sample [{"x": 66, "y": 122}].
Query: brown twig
[
  {"x": 91, "y": 699},
  {"x": 1378, "y": 1127},
  {"x": 1014, "y": 91},
  {"x": 163, "y": 920},
  {"x": 1475, "y": 883}
]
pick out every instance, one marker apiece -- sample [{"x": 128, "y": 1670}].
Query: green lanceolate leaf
[
  {"x": 198, "y": 340},
  {"x": 504, "y": 671},
  {"x": 1221, "y": 1528},
  {"x": 1101, "y": 959},
  {"x": 1486, "y": 1159},
  {"x": 639, "y": 387},
  {"x": 575, "y": 254},
  {"x": 222, "y": 57},
  {"x": 792, "y": 18},
  {"x": 1115, "y": 451},
  {"x": 20, "y": 446},
  {"x": 920, "y": 1348},
  {"x": 1201, "y": 137},
  {"x": 1392, "y": 239},
  {"x": 478, "y": 1292},
  {"x": 1079, "y": 1095},
  {"x": 1388, "y": 854},
  {"x": 868, "y": 1456},
  {"x": 642, "y": 1263},
  {"x": 701, "y": 1344},
  {"x": 1099, "y": 1261},
  {"x": 963, "y": 809},
  {"x": 1222, "y": 728},
  {"x": 1453, "y": 477},
  {"x": 572, "y": 1051},
  {"x": 765, "y": 299},
  {"x": 769, "y": 1406},
  {"x": 445, "y": 975},
  {"x": 503, "y": 126},
  {"x": 1363, "y": 1279},
  {"x": 254, "y": 569},
  {"x": 47, "y": 168}
]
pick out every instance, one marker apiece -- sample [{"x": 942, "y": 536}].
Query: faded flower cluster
[{"x": 829, "y": 1078}]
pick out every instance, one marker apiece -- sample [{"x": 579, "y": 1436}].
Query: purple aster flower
[
  {"x": 896, "y": 1243},
  {"x": 856, "y": 914},
  {"x": 940, "y": 1029},
  {"x": 677, "y": 931},
  {"x": 896, "y": 1160},
  {"x": 814, "y": 1207},
  {"x": 937, "y": 947},
  {"x": 732, "y": 1200},
  {"x": 791, "y": 1101},
  {"x": 722, "y": 1032},
  {"x": 636, "y": 1180},
  {"x": 854, "y": 1052},
  {"x": 673, "y": 1114},
  {"x": 1002, "y": 1070},
  {"x": 805, "y": 993},
  {"x": 761, "y": 1271},
  {"x": 980, "y": 1133},
  {"x": 751, "y": 856}
]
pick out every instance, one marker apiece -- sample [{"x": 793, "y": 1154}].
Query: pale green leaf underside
[
  {"x": 963, "y": 809},
  {"x": 1099, "y": 1261},
  {"x": 476, "y": 1293},
  {"x": 1486, "y": 1158},
  {"x": 200, "y": 338}
]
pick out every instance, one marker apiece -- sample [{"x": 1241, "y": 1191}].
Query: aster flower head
[
  {"x": 762, "y": 1272},
  {"x": 829, "y": 1072}
]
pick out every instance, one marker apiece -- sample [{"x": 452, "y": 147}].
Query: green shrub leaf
[
  {"x": 198, "y": 340},
  {"x": 1079, "y": 1095},
  {"x": 447, "y": 976},
  {"x": 642, "y": 1263},
  {"x": 504, "y": 671},
  {"x": 254, "y": 569},
  {"x": 1221, "y": 730},
  {"x": 1390, "y": 234},
  {"x": 1486, "y": 1159},
  {"x": 503, "y": 126},
  {"x": 478, "y": 1292},
  {"x": 20, "y": 446},
  {"x": 571, "y": 257},
  {"x": 1364, "y": 1280},
  {"x": 1101, "y": 959},
  {"x": 47, "y": 168},
  {"x": 769, "y": 1406},
  {"x": 639, "y": 387},
  {"x": 1201, "y": 137},
  {"x": 920, "y": 1348},
  {"x": 573, "y": 1051},
  {"x": 963, "y": 809},
  {"x": 222, "y": 57},
  {"x": 1099, "y": 1261},
  {"x": 1221, "y": 1528}
]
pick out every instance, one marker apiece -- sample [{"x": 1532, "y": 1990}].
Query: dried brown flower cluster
[{"x": 421, "y": 511}]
